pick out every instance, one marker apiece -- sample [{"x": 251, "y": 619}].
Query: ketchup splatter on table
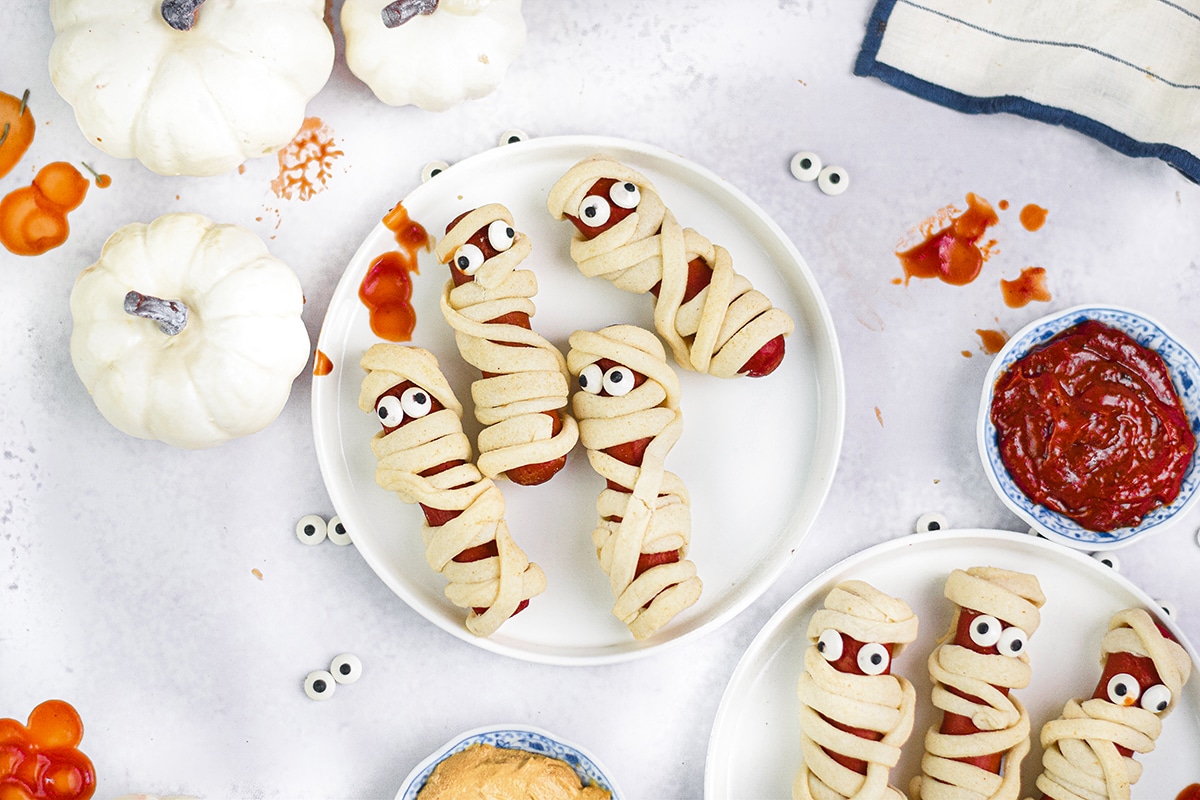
[
  {"x": 386, "y": 289},
  {"x": 1028, "y": 288},
  {"x": 1190, "y": 793},
  {"x": 16, "y": 130},
  {"x": 993, "y": 341},
  {"x": 1089, "y": 425},
  {"x": 1033, "y": 217},
  {"x": 41, "y": 759},
  {"x": 952, "y": 253},
  {"x": 33, "y": 219},
  {"x": 306, "y": 162}
]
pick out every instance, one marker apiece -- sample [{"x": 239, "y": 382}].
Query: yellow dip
[{"x": 498, "y": 773}]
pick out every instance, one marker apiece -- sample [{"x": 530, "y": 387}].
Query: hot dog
[
  {"x": 711, "y": 317},
  {"x": 524, "y": 388},
  {"x": 1088, "y": 751},
  {"x": 977, "y": 749},
  {"x": 629, "y": 419},
  {"x": 854, "y": 714},
  {"x": 425, "y": 458}
]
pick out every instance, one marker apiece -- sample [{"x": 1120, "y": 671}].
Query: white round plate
[
  {"x": 513, "y": 737},
  {"x": 1185, "y": 375},
  {"x": 754, "y": 750},
  {"x": 757, "y": 454}
]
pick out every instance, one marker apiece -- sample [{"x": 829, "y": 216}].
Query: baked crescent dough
[
  {"x": 719, "y": 329},
  {"x": 832, "y": 700},
  {"x": 655, "y": 517},
  {"x": 498, "y": 583},
  {"x": 974, "y": 685},
  {"x": 1080, "y": 760},
  {"x": 528, "y": 373}
]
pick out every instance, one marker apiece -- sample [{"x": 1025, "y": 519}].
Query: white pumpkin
[
  {"x": 228, "y": 370},
  {"x": 442, "y": 54},
  {"x": 190, "y": 102}
]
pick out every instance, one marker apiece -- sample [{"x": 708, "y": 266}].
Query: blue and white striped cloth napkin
[{"x": 1126, "y": 72}]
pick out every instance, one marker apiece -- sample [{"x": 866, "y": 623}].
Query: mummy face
[
  {"x": 1131, "y": 680},
  {"x": 849, "y": 655},
  {"x": 403, "y": 403},
  {"x": 608, "y": 202},
  {"x": 489, "y": 241},
  {"x": 990, "y": 636},
  {"x": 607, "y": 378}
]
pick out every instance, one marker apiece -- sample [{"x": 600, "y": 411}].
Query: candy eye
[
  {"x": 433, "y": 169},
  {"x": 512, "y": 136},
  {"x": 389, "y": 411},
  {"x": 501, "y": 235},
  {"x": 985, "y": 630},
  {"x": 931, "y": 521},
  {"x": 1012, "y": 642},
  {"x": 319, "y": 685},
  {"x": 337, "y": 531},
  {"x": 468, "y": 259},
  {"x": 591, "y": 380},
  {"x": 311, "y": 529},
  {"x": 594, "y": 211},
  {"x": 873, "y": 659},
  {"x": 346, "y": 668},
  {"x": 618, "y": 381},
  {"x": 1123, "y": 689},
  {"x": 829, "y": 644},
  {"x": 805, "y": 166},
  {"x": 416, "y": 402},
  {"x": 833, "y": 180},
  {"x": 1156, "y": 698},
  {"x": 625, "y": 195}
]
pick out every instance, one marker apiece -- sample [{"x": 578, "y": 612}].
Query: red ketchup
[
  {"x": 386, "y": 289},
  {"x": 632, "y": 453},
  {"x": 1191, "y": 792},
  {"x": 763, "y": 362},
  {"x": 952, "y": 254},
  {"x": 42, "y": 760},
  {"x": 437, "y": 517},
  {"x": 1089, "y": 425},
  {"x": 527, "y": 474}
]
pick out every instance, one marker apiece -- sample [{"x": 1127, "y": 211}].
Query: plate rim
[
  {"x": 984, "y": 432},
  {"x": 809, "y": 590},
  {"x": 828, "y": 439}
]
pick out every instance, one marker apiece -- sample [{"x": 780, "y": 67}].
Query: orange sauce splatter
[
  {"x": 967, "y": 354},
  {"x": 241, "y": 169},
  {"x": 952, "y": 253},
  {"x": 257, "y": 573},
  {"x": 1033, "y": 217},
  {"x": 992, "y": 341},
  {"x": 386, "y": 289},
  {"x": 101, "y": 181},
  {"x": 41, "y": 759},
  {"x": 1190, "y": 792},
  {"x": 1003, "y": 205},
  {"x": 306, "y": 162},
  {"x": 33, "y": 219},
  {"x": 16, "y": 128},
  {"x": 879, "y": 416},
  {"x": 321, "y": 364},
  {"x": 1029, "y": 287}
]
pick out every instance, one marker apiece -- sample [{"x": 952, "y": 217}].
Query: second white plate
[
  {"x": 754, "y": 750},
  {"x": 757, "y": 455}
]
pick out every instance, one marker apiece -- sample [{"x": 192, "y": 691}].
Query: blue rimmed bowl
[
  {"x": 1185, "y": 374},
  {"x": 513, "y": 737}
]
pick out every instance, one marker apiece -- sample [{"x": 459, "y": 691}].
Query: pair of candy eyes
[
  {"x": 469, "y": 258},
  {"x": 987, "y": 631},
  {"x": 594, "y": 211},
  {"x": 616, "y": 381},
  {"x": 346, "y": 668},
  {"x": 873, "y": 658},
  {"x": 413, "y": 402},
  {"x": 1124, "y": 690}
]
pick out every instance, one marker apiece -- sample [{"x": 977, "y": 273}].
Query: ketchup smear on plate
[{"x": 1089, "y": 425}]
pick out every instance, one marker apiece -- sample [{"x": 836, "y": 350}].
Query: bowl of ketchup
[{"x": 1088, "y": 426}]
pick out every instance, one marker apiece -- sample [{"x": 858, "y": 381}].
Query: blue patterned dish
[
  {"x": 513, "y": 737},
  {"x": 1185, "y": 373}
]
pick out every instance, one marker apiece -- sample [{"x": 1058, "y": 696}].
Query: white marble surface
[{"x": 125, "y": 565}]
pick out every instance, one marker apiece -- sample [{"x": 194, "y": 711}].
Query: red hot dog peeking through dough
[
  {"x": 521, "y": 397},
  {"x": 711, "y": 317}
]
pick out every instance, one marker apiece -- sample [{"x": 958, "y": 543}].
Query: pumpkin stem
[
  {"x": 399, "y": 12},
  {"x": 171, "y": 315},
  {"x": 180, "y": 14}
]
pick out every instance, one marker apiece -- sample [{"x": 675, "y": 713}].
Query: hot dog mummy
[
  {"x": 1088, "y": 751},
  {"x": 854, "y": 714},
  {"x": 977, "y": 750},
  {"x": 629, "y": 419},
  {"x": 488, "y": 303},
  {"x": 711, "y": 317},
  {"x": 424, "y": 457}
]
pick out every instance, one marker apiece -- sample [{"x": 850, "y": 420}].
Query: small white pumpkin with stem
[
  {"x": 432, "y": 53},
  {"x": 190, "y": 87},
  {"x": 188, "y": 331}
]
